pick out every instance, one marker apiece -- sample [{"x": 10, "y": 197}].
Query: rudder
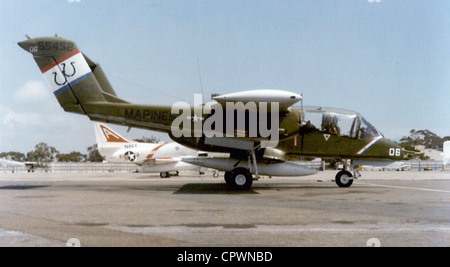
[{"x": 71, "y": 75}]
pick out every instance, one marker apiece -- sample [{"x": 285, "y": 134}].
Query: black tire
[
  {"x": 239, "y": 179},
  {"x": 344, "y": 179},
  {"x": 164, "y": 175},
  {"x": 227, "y": 177}
]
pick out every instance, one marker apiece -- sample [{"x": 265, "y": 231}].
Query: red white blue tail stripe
[{"x": 66, "y": 71}]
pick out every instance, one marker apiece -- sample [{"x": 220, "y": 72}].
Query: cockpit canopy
[{"x": 339, "y": 122}]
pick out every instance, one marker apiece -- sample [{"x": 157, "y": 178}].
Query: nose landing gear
[{"x": 345, "y": 178}]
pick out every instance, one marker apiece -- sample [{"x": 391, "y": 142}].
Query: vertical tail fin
[
  {"x": 103, "y": 135},
  {"x": 446, "y": 153},
  {"x": 75, "y": 79},
  {"x": 108, "y": 141}
]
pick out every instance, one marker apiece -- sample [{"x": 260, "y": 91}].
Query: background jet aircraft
[
  {"x": 446, "y": 154},
  {"x": 152, "y": 158},
  {"x": 80, "y": 86},
  {"x": 13, "y": 165},
  {"x": 379, "y": 165}
]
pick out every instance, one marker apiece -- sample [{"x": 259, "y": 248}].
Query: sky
[{"x": 388, "y": 60}]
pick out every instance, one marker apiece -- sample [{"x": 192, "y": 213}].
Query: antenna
[
  {"x": 201, "y": 82},
  {"x": 302, "y": 113}
]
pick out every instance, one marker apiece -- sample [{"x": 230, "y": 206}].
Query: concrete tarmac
[{"x": 129, "y": 209}]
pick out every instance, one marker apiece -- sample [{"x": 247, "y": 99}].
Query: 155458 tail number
[{"x": 55, "y": 46}]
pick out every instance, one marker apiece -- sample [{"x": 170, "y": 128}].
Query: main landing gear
[
  {"x": 242, "y": 178},
  {"x": 239, "y": 179},
  {"x": 165, "y": 175}
]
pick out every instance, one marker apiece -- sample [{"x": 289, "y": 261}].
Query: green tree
[
  {"x": 94, "y": 155},
  {"x": 73, "y": 156},
  {"x": 42, "y": 153},
  {"x": 17, "y": 156},
  {"x": 423, "y": 137}
]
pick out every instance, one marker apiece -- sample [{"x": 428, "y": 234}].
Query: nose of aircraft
[
  {"x": 394, "y": 150},
  {"x": 382, "y": 148}
]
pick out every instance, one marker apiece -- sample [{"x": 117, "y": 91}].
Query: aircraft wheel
[
  {"x": 344, "y": 179},
  {"x": 239, "y": 179},
  {"x": 228, "y": 178},
  {"x": 164, "y": 175}
]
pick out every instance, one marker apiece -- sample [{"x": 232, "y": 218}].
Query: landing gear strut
[{"x": 242, "y": 178}]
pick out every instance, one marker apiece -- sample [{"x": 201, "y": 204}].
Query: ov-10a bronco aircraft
[{"x": 260, "y": 129}]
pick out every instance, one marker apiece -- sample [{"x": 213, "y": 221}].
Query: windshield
[
  {"x": 343, "y": 124},
  {"x": 367, "y": 130}
]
